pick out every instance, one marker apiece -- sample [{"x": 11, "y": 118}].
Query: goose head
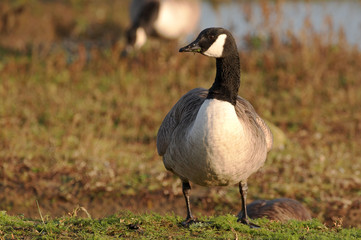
[
  {"x": 219, "y": 43},
  {"x": 135, "y": 37},
  {"x": 213, "y": 42}
]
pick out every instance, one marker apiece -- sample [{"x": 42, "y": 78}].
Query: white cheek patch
[
  {"x": 140, "y": 37},
  {"x": 216, "y": 49}
]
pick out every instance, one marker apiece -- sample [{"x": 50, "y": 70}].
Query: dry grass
[{"x": 78, "y": 124}]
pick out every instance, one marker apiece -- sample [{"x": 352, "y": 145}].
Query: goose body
[
  {"x": 213, "y": 137},
  {"x": 280, "y": 209},
  {"x": 169, "y": 19},
  {"x": 213, "y": 143}
]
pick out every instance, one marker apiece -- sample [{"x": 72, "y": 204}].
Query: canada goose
[
  {"x": 214, "y": 137},
  {"x": 169, "y": 19},
  {"x": 280, "y": 209}
]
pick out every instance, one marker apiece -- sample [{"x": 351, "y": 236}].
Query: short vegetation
[{"x": 126, "y": 225}]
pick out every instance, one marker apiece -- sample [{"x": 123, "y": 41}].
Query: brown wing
[
  {"x": 245, "y": 110},
  {"x": 184, "y": 111}
]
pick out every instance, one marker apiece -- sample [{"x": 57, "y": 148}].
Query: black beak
[
  {"x": 193, "y": 47},
  {"x": 126, "y": 51}
]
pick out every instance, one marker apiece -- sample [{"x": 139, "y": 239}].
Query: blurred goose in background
[
  {"x": 168, "y": 19},
  {"x": 280, "y": 209},
  {"x": 214, "y": 137}
]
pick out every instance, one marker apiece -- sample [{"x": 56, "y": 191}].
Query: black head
[
  {"x": 142, "y": 26},
  {"x": 213, "y": 42},
  {"x": 136, "y": 37}
]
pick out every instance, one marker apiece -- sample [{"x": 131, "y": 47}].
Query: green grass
[{"x": 127, "y": 225}]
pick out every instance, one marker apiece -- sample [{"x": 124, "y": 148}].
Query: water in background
[{"x": 261, "y": 17}]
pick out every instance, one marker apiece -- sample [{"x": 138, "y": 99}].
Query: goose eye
[{"x": 212, "y": 37}]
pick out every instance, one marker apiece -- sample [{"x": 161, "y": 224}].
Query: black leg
[
  {"x": 243, "y": 218},
  {"x": 186, "y": 187}
]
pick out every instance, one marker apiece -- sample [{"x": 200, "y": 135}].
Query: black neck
[{"x": 227, "y": 82}]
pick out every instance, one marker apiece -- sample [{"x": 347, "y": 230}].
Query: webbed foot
[
  {"x": 186, "y": 223},
  {"x": 248, "y": 223}
]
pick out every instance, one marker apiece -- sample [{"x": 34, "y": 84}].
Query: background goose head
[
  {"x": 166, "y": 19},
  {"x": 213, "y": 42}
]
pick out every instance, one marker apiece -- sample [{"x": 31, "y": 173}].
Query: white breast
[
  {"x": 217, "y": 126},
  {"x": 217, "y": 146}
]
